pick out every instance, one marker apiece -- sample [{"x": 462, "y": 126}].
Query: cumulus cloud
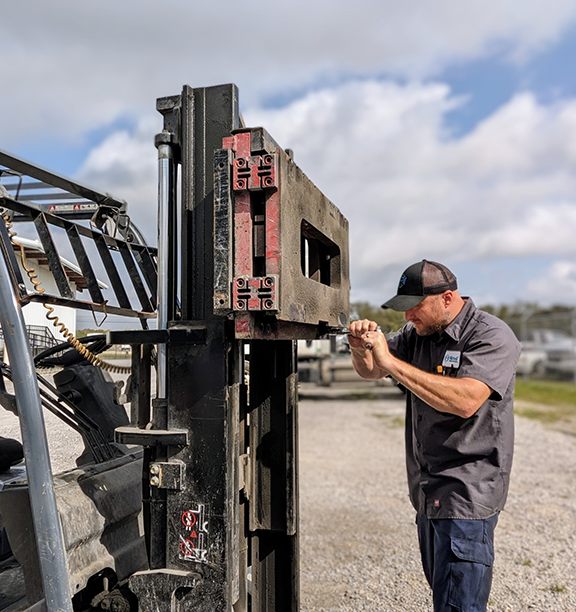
[
  {"x": 125, "y": 165},
  {"x": 72, "y": 66},
  {"x": 556, "y": 285},
  {"x": 410, "y": 189}
]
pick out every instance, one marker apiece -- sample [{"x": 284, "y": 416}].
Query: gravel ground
[
  {"x": 358, "y": 539},
  {"x": 359, "y": 544}
]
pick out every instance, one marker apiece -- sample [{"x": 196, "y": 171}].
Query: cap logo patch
[{"x": 402, "y": 282}]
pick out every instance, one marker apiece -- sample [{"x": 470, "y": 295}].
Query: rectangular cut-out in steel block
[{"x": 286, "y": 228}]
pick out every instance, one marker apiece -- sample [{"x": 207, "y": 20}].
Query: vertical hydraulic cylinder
[{"x": 165, "y": 209}]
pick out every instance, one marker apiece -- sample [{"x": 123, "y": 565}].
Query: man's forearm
[
  {"x": 363, "y": 362},
  {"x": 459, "y": 396}
]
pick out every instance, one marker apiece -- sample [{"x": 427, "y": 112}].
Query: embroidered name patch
[{"x": 451, "y": 359}]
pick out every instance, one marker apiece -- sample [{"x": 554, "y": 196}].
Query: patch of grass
[
  {"x": 392, "y": 421},
  {"x": 550, "y": 402},
  {"x": 526, "y": 563},
  {"x": 553, "y": 393},
  {"x": 556, "y": 588},
  {"x": 547, "y": 414},
  {"x": 359, "y": 395}
]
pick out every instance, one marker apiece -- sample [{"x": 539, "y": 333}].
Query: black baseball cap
[{"x": 419, "y": 280}]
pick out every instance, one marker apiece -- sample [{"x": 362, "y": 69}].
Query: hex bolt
[
  {"x": 154, "y": 469},
  {"x": 154, "y": 481}
]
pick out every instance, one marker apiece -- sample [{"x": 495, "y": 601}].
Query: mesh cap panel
[
  {"x": 436, "y": 278},
  {"x": 419, "y": 280}
]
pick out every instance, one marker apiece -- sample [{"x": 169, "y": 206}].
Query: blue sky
[
  {"x": 443, "y": 130},
  {"x": 491, "y": 81}
]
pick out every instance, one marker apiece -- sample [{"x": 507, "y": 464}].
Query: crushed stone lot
[{"x": 358, "y": 538}]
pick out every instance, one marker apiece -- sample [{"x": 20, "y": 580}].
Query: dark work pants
[{"x": 457, "y": 556}]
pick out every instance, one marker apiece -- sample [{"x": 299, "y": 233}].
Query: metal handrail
[{"x": 51, "y": 549}]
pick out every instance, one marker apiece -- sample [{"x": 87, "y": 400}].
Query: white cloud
[
  {"x": 381, "y": 152},
  {"x": 71, "y": 66},
  {"x": 125, "y": 165},
  {"x": 556, "y": 285}
]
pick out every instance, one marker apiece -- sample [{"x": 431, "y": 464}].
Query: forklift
[{"x": 188, "y": 501}]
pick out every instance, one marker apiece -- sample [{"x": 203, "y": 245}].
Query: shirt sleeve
[{"x": 491, "y": 356}]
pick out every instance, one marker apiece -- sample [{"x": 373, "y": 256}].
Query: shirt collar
[{"x": 460, "y": 321}]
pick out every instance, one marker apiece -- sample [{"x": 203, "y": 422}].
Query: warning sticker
[{"x": 194, "y": 535}]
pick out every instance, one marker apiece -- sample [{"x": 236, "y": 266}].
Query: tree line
[{"x": 557, "y": 316}]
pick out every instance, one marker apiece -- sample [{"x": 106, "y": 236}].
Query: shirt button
[
  {"x": 418, "y": 444},
  {"x": 419, "y": 417}
]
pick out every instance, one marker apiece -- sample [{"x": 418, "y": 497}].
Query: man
[{"x": 457, "y": 364}]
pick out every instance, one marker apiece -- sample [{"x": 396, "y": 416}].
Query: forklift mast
[{"x": 251, "y": 257}]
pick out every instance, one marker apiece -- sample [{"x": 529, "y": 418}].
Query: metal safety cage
[{"x": 132, "y": 276}]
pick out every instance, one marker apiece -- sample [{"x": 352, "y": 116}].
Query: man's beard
[
  {"x": 431, "y": 329},
  {"x": 436, "y": 328}
]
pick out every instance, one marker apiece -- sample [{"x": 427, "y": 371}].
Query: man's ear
[{"x": 447, "y": 298}]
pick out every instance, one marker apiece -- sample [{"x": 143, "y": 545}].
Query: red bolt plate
[{"x": 255, "y": 293}]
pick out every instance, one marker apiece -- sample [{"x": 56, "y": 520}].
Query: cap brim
[{"x": 403, "y": 302}]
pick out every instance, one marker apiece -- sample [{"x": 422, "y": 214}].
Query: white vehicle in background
[
  {"x": 554, "y": 346},
  {"x": 532, "y": 362},
  {"x": 325, "y": 361}
]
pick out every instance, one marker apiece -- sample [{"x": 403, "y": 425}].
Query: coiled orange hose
[{"x": 88, "y": 355}]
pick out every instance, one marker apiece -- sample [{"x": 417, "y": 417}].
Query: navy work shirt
[{"x": 457, "y": 467}]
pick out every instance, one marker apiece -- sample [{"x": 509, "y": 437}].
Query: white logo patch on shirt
[{"x": 451, "y": 359}]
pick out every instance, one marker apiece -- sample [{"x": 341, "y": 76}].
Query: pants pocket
[{"x": 470, "y": 574}]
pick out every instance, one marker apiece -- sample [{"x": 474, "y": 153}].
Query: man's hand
[
  {"x": 367, "y": 335},
  {"x": 367, "y": 344},
  {"x": 357, "y": 330}
]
